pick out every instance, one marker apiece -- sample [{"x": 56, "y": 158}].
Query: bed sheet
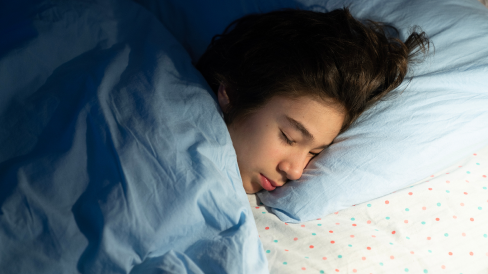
[{"x": 438, "y": 225}]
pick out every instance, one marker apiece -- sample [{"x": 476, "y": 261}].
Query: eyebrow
[{"x": 300, "y": 127}]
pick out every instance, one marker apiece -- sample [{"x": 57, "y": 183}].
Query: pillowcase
[{"x": 426, "y": 125}]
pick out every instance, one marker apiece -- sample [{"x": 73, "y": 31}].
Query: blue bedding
[{"x": 114, "y": 156}]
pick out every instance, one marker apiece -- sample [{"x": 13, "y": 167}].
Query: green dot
[
  {"x": 468, "y": 172},
  {"x": 264, "y": 212},
  {"x": 268, "y": 251},
  {"x": 406, "y": 269},
  {"x": 322, "y": 272},
  {"x": 285, "y": 263},
  {"x": 319, "y": 224},
  {"x": 484, "y": 187},
  {"x": 376, "y": 229},
  {"x": 478, "y": 163},
  {"x": 408, "y": 238},
  {"x": 406, "y": 209},
  {"x": 275, "y": 241},
  {"x": 425, "y": 271},
  {"x": 381, "y": 264},
  {"x": 445, "y": 234},
  {"x": 369, "y": 205},
  {"x": 438, "y": 204},
  {"x": 314, "y": 234},
  {"x": 391, "y": 243},
  {"x": 352, "y": 219},
  {"x": 340, "y": 256},
  {"x": 387, "y": 218},
  {"x": 306, "y": 257},
  {"x": 430, "y": 251},
  {"x": 423, "y": 223},
  {"x": 480, "y": 208},
  {"x": 484, "y": 235},
  {"x": 349, "y": 245},
  {"x": 448, "y": 191}
]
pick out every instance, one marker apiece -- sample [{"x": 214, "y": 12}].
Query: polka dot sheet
[{"x": 439, "y": 225}]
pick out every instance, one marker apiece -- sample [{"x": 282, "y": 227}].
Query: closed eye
[{"x": 286, "y": 139}]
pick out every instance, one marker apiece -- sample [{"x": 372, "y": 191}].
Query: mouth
[{"x": 266, "y": 183}]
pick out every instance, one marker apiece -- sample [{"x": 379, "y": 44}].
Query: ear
[{"x": 223, "y": 98}]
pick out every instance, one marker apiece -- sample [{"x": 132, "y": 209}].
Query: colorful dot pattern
[{"x": 438, "y": 225}]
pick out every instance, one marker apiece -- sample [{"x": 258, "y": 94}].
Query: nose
[{"x": 293, "y": 166}]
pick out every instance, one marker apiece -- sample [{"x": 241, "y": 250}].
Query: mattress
[{"x": 438, "y": 225}]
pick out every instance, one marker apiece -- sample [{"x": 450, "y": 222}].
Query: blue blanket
[{"x": 114, "y": 157}]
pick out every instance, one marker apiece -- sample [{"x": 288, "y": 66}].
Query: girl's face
[{"x": 275, "y": 143}]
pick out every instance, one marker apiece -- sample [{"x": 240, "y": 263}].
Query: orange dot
[
  {"x": 430, "y": 188},
  {"x": 465, "y": 193},
  {"x": 353, "y": 224},
  {"x": 464, "y": 234},
  {"x": 303, "y": 268},
  {"x": 303, "y": 225},
  {"x": 330, "y": 231},
  {"x": 336, "y": 212},
  {"x": 286, "y": 223},
  {"x": 363, "y": 258},
  {"x": 311, "y": 246},
  {"x": 455, "y": 217},
  {"x": 352, "y": 236},
  {"x": 471, "y": 253},
  {"x": 447, "y": 182},
  {"x": 391, "y": 257},
  {"x": 368, "y": 248},
  {"x": 428, "y": 238},
  {"x": 294, "y": 239},
  {"x": 406, "y": 221},
  {"x": 257, "y": 207},
  {"x": 324, "y": 258},
  {"x": 368, "y": 222},
  {"x": 337, "y": 270},
  {"x": 337, "y": 223},
  {"x": 443, "y": 267},
  {"x": 410, "y": 193},
  {"x": 437, "y": 219},
  {"x": 411, "y": 252},
  {"x": 354, "y": 270},
  {"x": 462, "y": 204},
  {"x": 319, "y": 219},
  {"x": 387, "y": 202},
  {"x": 393, "y": 232},
  {"x": 450, "y": 253},
  {"x": 266, "y": 228},
  {"x": 286, "y": 249},
  {"x": 471, "y": 219},
  {"x": 373, "y": 236},
  {"x": 332, "y": 242},
  {"x": 424, "y": 208}
]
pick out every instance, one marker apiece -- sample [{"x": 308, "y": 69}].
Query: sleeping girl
[{"x": 288, "y": 82}]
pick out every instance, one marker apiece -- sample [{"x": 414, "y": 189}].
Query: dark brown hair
[{"x": 331, "y": 56}]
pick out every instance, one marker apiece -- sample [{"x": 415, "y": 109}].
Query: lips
[{"x": 267, "y": 183}]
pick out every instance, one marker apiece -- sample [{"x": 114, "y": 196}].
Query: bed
[{"x": 114, "y": 157}]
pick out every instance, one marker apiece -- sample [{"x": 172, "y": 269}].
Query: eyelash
[{"x": 290, "y": 142}]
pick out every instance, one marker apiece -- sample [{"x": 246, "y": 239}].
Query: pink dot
[
  {"x": 474, "y": 154},
  {"x": 391, "y": 257},
  {"x": 411, "y": 252},
  {"x": 410, "y": 193},
  {"x": 462, "y": 204},
  {"x": 443, "y": 267},
  {"x": 337, "y": 223},
  {"x": 353, "y": 224},
  {"x": 431, "y": 175},
  {"x": 286, "y": 223},
  {"x": 266, "y": 228},
  {"x": 352, "y": 236},
  {"x": 484, "y": 176},
  {"x": 368, "y": 248},
  {"x": 303, "y": 225},
  {"x": 373, "y": 236},
  {"x": 424, "y": 208},
  {"x": 336, "y": 212},
  {"x": 337, "y": 270},
  {"x": 368, "y": 222},
  {"x": 455, "y": 217},
  {"x": 471, "y": 219},
  {"x": 471, "y": 253},
  {"x": 465, "y": 193},
  {"x": 354, "y": 270},
  {"x": 303, "y": 268},
  {"x": 464, "y": 234},
  {"x": 311, "y": 246},
  {"x": 450, "y": 253},
  {"x": 294, "y": 239},
  {"x": 406, "y": 221},
  {"x": 319, "y": 219},
  {"x": 428, "y": 238},
  {"x": 387, "y": 202},
  {"x": 363, "y": 258},
  {"x": 330, "y": 231},
  {"x": 430, "y": 188},
  {"x": 467, "y": 181},
  {"x": 437, "y": 219},
  {"x": 332, "y": 242},
  {"x": 286, "y": 249},
  {"x": 393, "y": 232},
  {"x": 447, "y": 182},
  {"x": 324, "y": 258}
]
